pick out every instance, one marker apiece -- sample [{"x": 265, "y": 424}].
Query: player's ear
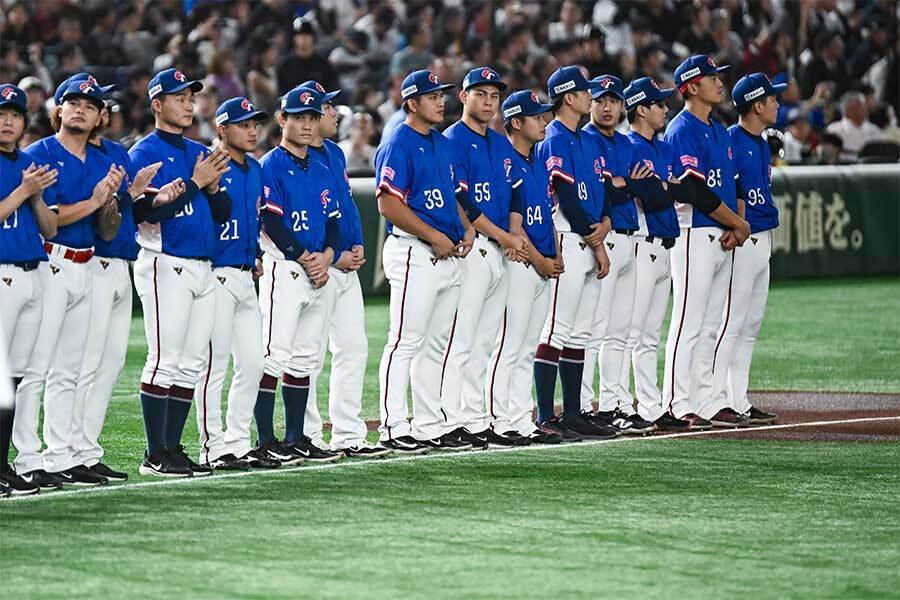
[
  {"x": 280, "y": 118},
  {"x": 156, "y": 105},
  {"x": 462, "y": 95}
]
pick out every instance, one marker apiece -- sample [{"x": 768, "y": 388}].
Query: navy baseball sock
[
  {"x": 154, "y": 406},
  {"x": 295, "y": 391},
  {"x": 6, "y": 425},
  {"x": 264, "y": 411},
  {"x": 180, "y": 400},
  {"x": 546, "y": 361},
  {"x": 571, "y": 369}
]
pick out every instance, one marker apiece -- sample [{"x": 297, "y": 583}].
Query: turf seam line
[{"x": 436, "y": 456}]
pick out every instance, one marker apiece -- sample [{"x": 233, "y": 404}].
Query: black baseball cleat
[
  {"x": 16, "y": 485},
  {"x": 478, "y": 441},
  {"x": 697, "y": 423},
  {"x": 229, "y": 462},
  {"x": 611, "y": 419},
  {"x": 448, "y": 442},
  {"x": 258, "y": 460},
  {"x": 81, "y": 476},
  {"x": 405, "y": 444},
  {"x": 161, "y": 464},
  {"x": 365, "y": 450},
  {"x": 760, "y": 417},
  {"x": 495, "y": 439},
  {"x": 275, "y": 450},
  {"x": 5, "y": 492},
  {"x": 591, "y": 431},
  {"x": 312, "y": 453},
  {"x": 44, "y": 480},
  {"x": 637, "y": 424},
  {"x": 177, "y": 454},
  {"x": 518, "y": 438},
  {"x": 556, "y": 426},
  {"x": 728, "y": 417},
  {"x": 668, "y": 422},
  {"x": 544, "y": 435},
  {"x": 104, "y": 471}
]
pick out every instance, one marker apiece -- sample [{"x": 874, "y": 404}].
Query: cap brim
[
  {"x": 666, "y": 94},
  {"x": 779, "y": 88},
  {"x": 195, "y": 86},
  {"x": 497, "y": 84},
  {"x": 107, "y": 88},
  {"x": 94, "y": 99},
  {"x": 329, "y": 96},
  {"x": 303, "y": 109},
  {"x": 439, "y": 88},
  {"x": 540, "y": 110},
  {"x": 722, "y": 68},
  {"x": 15, "y": 105},
  {"x": 256, "y": 115},
  {"x": 597, "y": 93}
]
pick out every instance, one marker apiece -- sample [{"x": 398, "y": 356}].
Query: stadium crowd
[{"x": 839, "y": 57}]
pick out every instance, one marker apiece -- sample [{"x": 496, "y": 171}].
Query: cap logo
[
  {"x": 564, "y": 87},
  {"x": 754, "y": 94},
  {"x": 407, "y": 91},
  {"x": 635, "y": 99},
  {"x": 155, "y": 90},
  {"x": 607, "y": 82},
  {"x": 86, "y": 87},
  {"x": 487, "y": 74},
  {"x": 433, "y": 78},
  {"x": 319, "y": 87},
  {"x": 689, "y": 74},
  {"x": 306, "y": 98},
  {"x": 512, "y": 110},
  {"x": 7, "y": 93},
  {"x": 653, "y": 83},
  {"x": 245, "y": 104},
  {"x": 222, "y": 118},
  {"x": 91, "y": 79},
  {"x": 710, "y": 62},
  {"x": 179, "y": 76},
  {"x": 534, "y": 97}
]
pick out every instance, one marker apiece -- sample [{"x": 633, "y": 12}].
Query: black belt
[
  {"x": 400, "y": 237},
  {"x": 625, "y": 231},
  {"x": 29, "y": 265},
  {"x": 238, "y": 267},
  {"x": 666, "y": 242},
  {"x": 490, "y": 239}
]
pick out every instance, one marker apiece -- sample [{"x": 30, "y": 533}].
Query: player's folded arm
[
  {"x": 280, "y": 234},
  {"x": 695, "y": 192},
  {"x": 167, "y": 211},
  {"x": 567, "y": 197},
  {"x": 651, "y": 193},
  {"x": 220, "y": 206}
]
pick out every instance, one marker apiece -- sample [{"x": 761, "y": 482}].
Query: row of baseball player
[{"x": 514, "y": 260}]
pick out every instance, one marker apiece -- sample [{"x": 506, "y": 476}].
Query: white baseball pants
[
  {"x": 509, "y": 382},
  {"x": 574, "y": 298},
  {"x": 424, "y": 299},
  {"x": 700, "y": 273},
  {"x": 349, "y": 351},
  {"x": 611, "y": 326},
  {"x": 744, "y": 311},
  {"x": 104, "y": 354},
  {"x": 21, "y": 298},
  {"x": 482, "y": 301},
  {"x": 237, "y": 334},
  {"x": 57, "y": 355}
]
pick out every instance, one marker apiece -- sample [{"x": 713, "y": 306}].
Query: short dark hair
[
  {"x": 631, "y": 113},
  {"x": 746, "y": 108}
]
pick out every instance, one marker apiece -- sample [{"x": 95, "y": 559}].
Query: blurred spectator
[
  {"x": 223, "y": 75},
  {"x": 854, "y": 128},
  {"x": 871, "y": 50},
  {"x": 262, "y": 85},
  {"x": 797, "y": 147},
  {"x": 569, "y": 26},
  {"x": 206, "y": 101},
  {"x": 357, "y": 148},
  {"x": 381, "y": 30},
  {"x": 416, "y": 55},
  {"x": 36, "y": 103},
  {"x": 593, "y": 53},
  {"x": 304, "y": 63},
  {"x": 696, "y": 39},
  {"x": 829, "y": 150},
  {"x": 885, "y": 119},
  {"x": 349, "y": 58},
  {"x": 827, "y": 65}
]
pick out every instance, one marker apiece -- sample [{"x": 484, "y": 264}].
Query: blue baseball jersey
[
  {"x": 124, "y": 245},
  {"x": 20, "y": 239},
  {"x": 74, "y": 184},
  {"x": 484, "y": 170},
  {"x": 420, "y": 171},
  {"x": 351, "y": 223},
  {"x": 752, "y": 160},
  {"x": 616, "y": 160},
  {"x": 537, "y": 201},
  {"x": 301, "y": 192},
  {"x": 573, "y": 157},
  {"x": 656, "y": 155},
  {"x": 191, "y": 232},
  {"x": 702, "y": 150},
  {"x": 238, "y": 237}
]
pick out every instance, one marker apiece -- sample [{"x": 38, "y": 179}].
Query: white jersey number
[
  {"x": 714, "y": 178},
  {"x": 533, "y": 215},
  {"x": 582, "y": 190},
  {"x": 229, "y": 231},
  {"x": 12, "y": 221},
  {"x": 300, "y": 220},
  {"x": 483, "y": 192},
  {"x": 756, "y": 197},
  {"x": 433, "y": 199},
  {"x": 187, "y": 210}
]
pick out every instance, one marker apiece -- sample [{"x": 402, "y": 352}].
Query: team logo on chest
[
  {"x": 648, "y": 164},
  {"x": 507, "y": 167},
  {"x": 730, "y": 156},
  {"x": 326, "y": 197},
  {"x": 598, "y": 166}
]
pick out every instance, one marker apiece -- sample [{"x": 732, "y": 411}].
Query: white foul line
[{"x": 442, "y": 455}]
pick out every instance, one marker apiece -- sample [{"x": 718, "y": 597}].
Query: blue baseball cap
[
  {"x": 13, "y": 96},
  {"x": 422, "y": 82},
  {"x": 606, "y": 84},
  {"x": 237, "y": 110},
  {"x": 750, "y": 88},
  {"x": 523, "y": 103},
  {"x": 566, "y": 79},
  {"x": 302, "y": 99},
  {"x": 57, "y": 96},
  {"x": 84, "y": 89},
  {"x": 171, "y": 81},
  {"x": 483, "y": 76},
  {"x": 644, "y": 91},
  {"x": 327, "y": 97},
  {"x": 699, "y": 65}
]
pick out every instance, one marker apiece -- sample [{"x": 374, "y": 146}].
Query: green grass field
[{"x": 705, "y": 517}]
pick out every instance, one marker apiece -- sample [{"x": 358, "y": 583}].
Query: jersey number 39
[{"x": 433, "y": 199}]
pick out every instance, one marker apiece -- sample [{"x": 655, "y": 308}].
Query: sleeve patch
[
  {"x": 387, "y": 173},
  {"x": 554, "y": 161},
  {"x": 689, "y": 161}
]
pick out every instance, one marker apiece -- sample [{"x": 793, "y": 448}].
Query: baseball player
[
  {"x": 85, "y": 194},
  {"x": 582, "y": 222},
  {"x": 755, "y": 98},
  {"x": 612, "y": 321},
  {"x": 26, "y": 218},
  {"x": 485, "y": 174},
  {"x": 701, "y": 258},
  {"x": 347, "y": 329},
  {"x": 111, "y": 303},
  {"x": 237, "y": 331},
  {"x": 419, "y": 196},
  {"x": 509, "y": 380},
  {"x": 300, "y": 230},
  {"x": 173, "y": 275}
]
